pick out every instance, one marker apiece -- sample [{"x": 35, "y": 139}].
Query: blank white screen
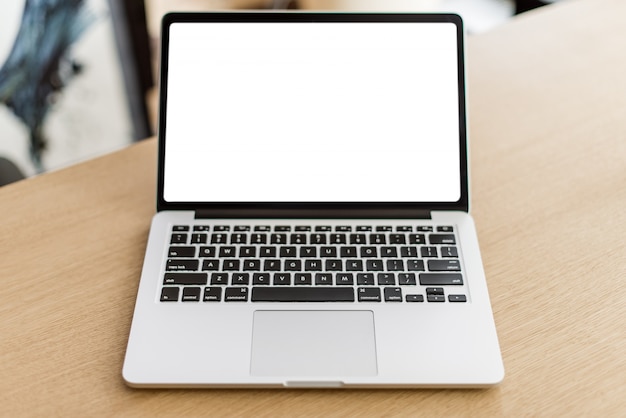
[{"x": 312, "y": 112}]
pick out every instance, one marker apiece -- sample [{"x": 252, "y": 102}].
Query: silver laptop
[{"x": 312, "y": 225}]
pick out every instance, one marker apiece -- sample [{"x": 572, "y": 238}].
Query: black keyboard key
[
  {"x": 191, "y": 294},
  {"x": 293, "y": 265},
  {"x": 374, "y": 265},
  {"x": 178, "y": 264},
  {"x": 180, "y": 228},
  {"x": 327, "y": 252},
  {"x": 303, "y": 228},
  {"x": 312, "y": 265},
  {"x": 333, "y": 265},
  {"x": 322, "y": 279},
  {"x": 457, "y": 298},
  {"x": 185, "y": 278},
  {"x": 435, "y": 239},
  {"x": 338, "y": 239},
  {"x": 415, "y": 265},
  {"x": 199, "y": 238},
  {"x": 344, "y": 279},
  {"x": 449, "y": 252},
  {"x": 288, "y": 252},
  {"x": 428, "y": 251},
  {"x": 271, "y": 265},
  {"x": 323, "y": 228},
  {"x": 219, "y": 279},
  {"x": 383, "y": 228},
  {"x": 343, "y": 228},
  {"x": 404, "y": 228},
  {"x": 441, "y": 279},
  {"x": 393, "y": 294},
  {"x": 354, "y": 265},
  {"x": 388, "y": 252},
  {"x": 240, "y": 279},
  {"x": 365, "y": 279},
  {"x": 444, "y": 265},
  {"x": 179, "y": 239},
  {"x": 348, "y": 252},
  {"x": 219, "y": 238},
  {"x": 238, "y": 239},
  {"x": 363, "y": 228},
  {"x": 386, "y": 279},
  {"x": 262, "y": 228},
  {"x": 395, "y": 265},
  {"x": 236, "y": 294},
  {"x": 368, "y": 294},
  {"x": 282, "y": 228},
  {"x": 302, "y": 294},
  {"x": 414, "y": 298},
  {"x": 302, "y": 279},
  {"x": 242, "y": 228},
  {"x": 258, "y": 239},
  {"x": 207, "y": 252},
  {"x": 261, "y": 279},
  {"x": 227, "y": 252},
  {"x": 298, "y": 239},
  {"x": 231, "y": 265},
  {"x": 378, "y": 238},
  {"x": 267, "y": 252},
  {"x": 408, "y": 252},
  {"x": 318, "y": 239},
  {"x": 221, "y": 228},
  {"x": 177, "y": 251},
  {"x": 397, "y": 239},
  {"x": 434, "y": 290},
  {"x": 170, "y": 294},
  {"x": 201, "y": 228},
  {"x": 417, "y": 239},
  {"x": 358, "y": 239},
  {"x": 424, "y": 229},
  {"x": 436, "y": 298},
  {"x": 282, "y": 279},
  {"x": 407, "y": 279},
  {"x": 445, "y": 229},
  {"x": 278, "y": 239},
  {"x": 212, "y": 264},
  {"x": 308, "y": 252},
  {"x": 369, "y": 252},
  {"x": 247, "y": 252},
  {"x": 212, "y": 294}
]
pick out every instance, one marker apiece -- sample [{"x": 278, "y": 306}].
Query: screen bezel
[{"x": 311, "y": 209}]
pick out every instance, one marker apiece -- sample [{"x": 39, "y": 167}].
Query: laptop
[{"x": 312, "y": 225}]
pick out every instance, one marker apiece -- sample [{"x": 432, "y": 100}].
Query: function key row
[{"x": 308, "y": 228}]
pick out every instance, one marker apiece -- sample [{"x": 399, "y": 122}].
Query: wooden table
[{"x": 547, "y": 99}]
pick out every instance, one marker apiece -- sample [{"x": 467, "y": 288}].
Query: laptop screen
[{"x": 312, "y": 112}]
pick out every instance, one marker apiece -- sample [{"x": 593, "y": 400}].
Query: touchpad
[{"x": 313, "y": 343}]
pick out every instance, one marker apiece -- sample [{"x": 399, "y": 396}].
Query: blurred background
[{"x": 77, "y": 76}]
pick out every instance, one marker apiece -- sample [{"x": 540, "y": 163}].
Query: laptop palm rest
[{"x": 302, "y": 344}]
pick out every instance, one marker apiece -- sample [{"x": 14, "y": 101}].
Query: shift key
[
  {"x": 185, "y": 278},
  {"x": 440, "y": 279}
]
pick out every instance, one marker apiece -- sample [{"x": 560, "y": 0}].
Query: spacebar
[{"x": 302, "y": 294}]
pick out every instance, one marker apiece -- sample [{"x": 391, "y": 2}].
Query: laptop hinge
[{"x": 283, "y": 213}]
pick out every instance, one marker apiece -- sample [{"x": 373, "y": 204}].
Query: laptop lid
[{"x": 312, "y": 114}]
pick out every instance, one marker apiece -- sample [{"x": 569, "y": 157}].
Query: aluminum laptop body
[{"x": 312, "y": 225}]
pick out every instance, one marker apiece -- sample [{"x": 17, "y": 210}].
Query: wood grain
[{"x": 547, "y": 101}]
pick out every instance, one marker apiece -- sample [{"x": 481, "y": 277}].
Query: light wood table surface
[{"x": 547, "y": 97}]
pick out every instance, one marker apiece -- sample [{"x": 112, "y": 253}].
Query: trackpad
[{"x": 313, "y": 343}]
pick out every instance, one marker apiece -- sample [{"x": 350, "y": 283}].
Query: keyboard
[{"x": 313, "y": 263}]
